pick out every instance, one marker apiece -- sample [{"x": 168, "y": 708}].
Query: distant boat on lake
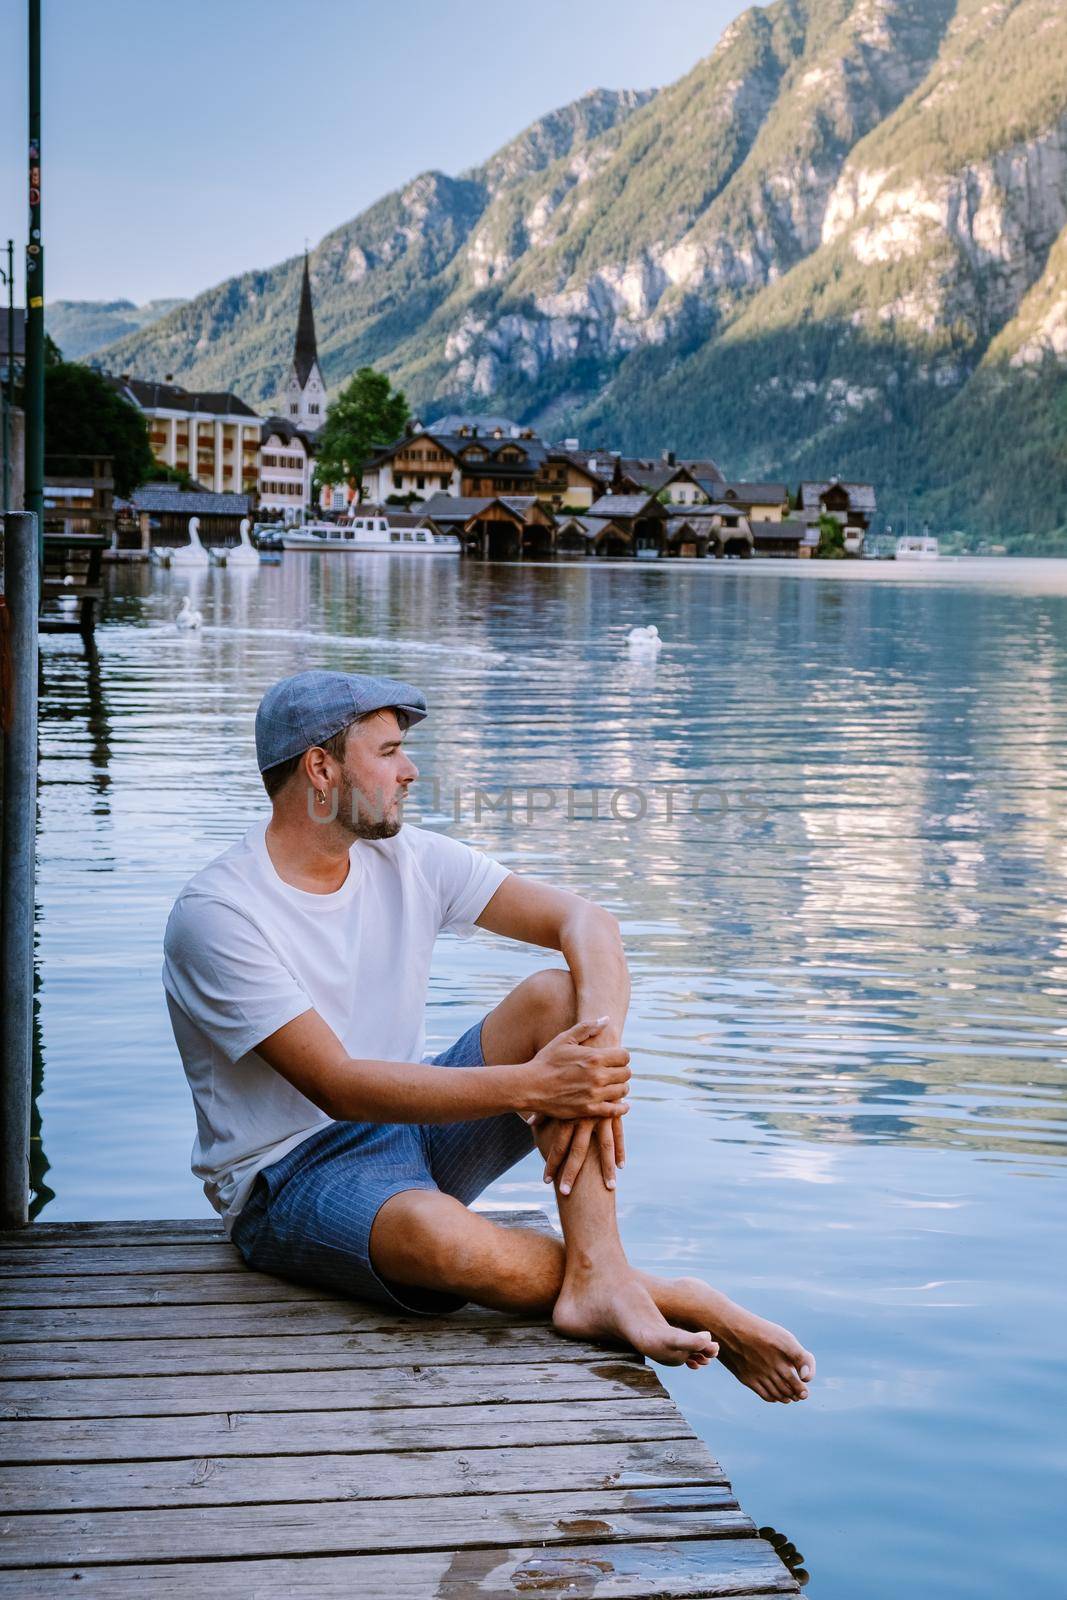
[
  {"x": 917, "y": 547},
  {"x": 371, "y": 535}
]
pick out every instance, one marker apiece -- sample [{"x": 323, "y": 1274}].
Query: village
[{"x": 504, "y": 492}]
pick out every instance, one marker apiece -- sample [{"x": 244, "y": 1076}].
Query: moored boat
[
  {"x": 371, "y": 535},
  {"x": 916, "y": 547}
]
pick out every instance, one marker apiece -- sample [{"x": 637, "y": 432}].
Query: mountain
[
  {"x": 837, "y": 245},
  {"x": 80, "y": 327}
]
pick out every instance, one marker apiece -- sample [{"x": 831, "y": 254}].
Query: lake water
[{"x": 830, "y": 821}]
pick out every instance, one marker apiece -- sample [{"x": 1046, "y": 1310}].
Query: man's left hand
[{"x": 570, "y": 1147}]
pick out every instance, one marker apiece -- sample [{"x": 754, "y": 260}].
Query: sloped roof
[
  {"x": 593, "y": 462},
  {"x": 305, "y": 351},
  {"x": 534, "y": 450},
  {"x": 705, "y": 468},
  {"x": 150, "y": 396},
  {"x": 462, "y": 419},
  {"x": 587, "y": 527},
  {"x": 704, "y": 513},
  {"x": 460, "y": 508},
  {"x": 658, "y": 473},
  {"x": 678, "y": 525},
  {"x": 789, "y": 528},
  {"x": 623, "y": 505},
  {"x": 753, "y": 493},
  {"x": 653, "y": 475},
  {"x": 283, "y": 429},
  {"x": 454, "y": 507},
  {"x": 861, "y": 496},
  {"x": 160, "y": 497}
]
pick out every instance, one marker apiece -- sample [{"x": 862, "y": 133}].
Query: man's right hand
[{"x": 569, "y": 1078}]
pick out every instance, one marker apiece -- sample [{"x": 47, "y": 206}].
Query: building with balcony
[
  {"x": 471, "y": 456},
  {"x": 213, "y": 436}
]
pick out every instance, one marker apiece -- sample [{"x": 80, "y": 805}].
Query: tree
[
  {"x": 831, "y": 546},
  {"x": 83, "y": 416},
  {"x": 367, "y": 413}
]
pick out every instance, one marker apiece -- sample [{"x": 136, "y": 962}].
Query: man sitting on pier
[{"x": 296, "y": 972}]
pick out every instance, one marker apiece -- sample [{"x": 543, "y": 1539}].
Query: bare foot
[
  {"x": 606, "y": 1305},
  {"x": 759, "y": 1353}
]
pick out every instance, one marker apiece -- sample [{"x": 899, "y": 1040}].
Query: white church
[{"x": 287, "y": 440}]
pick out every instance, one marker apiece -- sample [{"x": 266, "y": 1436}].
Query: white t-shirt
[{"x": 245, "y": 953}]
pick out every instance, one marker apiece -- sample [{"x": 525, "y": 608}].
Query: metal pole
[
  {"x": 21, "y": 586},
  {"x": 34, "y": 381},
  {"x": 9, "y": 385}
]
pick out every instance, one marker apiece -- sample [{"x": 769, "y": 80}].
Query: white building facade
[{"x": 286, "y": 463}]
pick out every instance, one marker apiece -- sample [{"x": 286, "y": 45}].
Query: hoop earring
[{"x": 321, "y": 796}]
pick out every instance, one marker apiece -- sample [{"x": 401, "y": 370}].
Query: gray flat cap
[{"x": 302, "y": 711}]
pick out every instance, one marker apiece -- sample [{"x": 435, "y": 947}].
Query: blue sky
[{"x": 185, "y": 140}]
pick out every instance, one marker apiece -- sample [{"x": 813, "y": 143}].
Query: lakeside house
[
  {"x": 467, "y": 457},
  {"x": 851, "y": 504}
]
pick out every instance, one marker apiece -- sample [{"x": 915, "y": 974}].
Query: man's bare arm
[
  {"x": 588, "y": 937},
  {"x": 590, "y": 1079}
]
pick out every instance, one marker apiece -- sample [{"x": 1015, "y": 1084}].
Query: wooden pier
[
  {"x": 176, "y": 1425},
  {"x": 72, "y": 584}
]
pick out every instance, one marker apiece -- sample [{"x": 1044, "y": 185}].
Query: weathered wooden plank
[
  {"x": 685, "y": 1569},
  {"x": 288, "y": 1317},
  {"x": 200, "y": 1230},
  {"x": 149, "y": 1233},
  {"x": 63, "y": 1260},
  {"x": 100, "y": 1291},
  {"x": 235, "y": 1480},
  {"x": 270, "y": 1433},
  {"x": 346, "y": 1527},
  {"x": 412, "y": 1342},
  {"x": 367, "y": 1388}
]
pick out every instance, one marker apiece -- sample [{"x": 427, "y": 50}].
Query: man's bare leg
[
  {"x": 587, "y": 1285},
  {"x": 433, "y": 1241}
]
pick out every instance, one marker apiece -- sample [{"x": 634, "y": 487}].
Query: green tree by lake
[
  {"x": 367, "y": 413},
  {"x": 84, "y": 417},
  {"x": 831, "y": 546}
]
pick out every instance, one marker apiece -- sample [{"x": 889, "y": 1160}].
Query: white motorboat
[
  {"x": 916, "y": 547},
  {"x": 371, "y": 535}
]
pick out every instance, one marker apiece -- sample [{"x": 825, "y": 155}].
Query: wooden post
[{"x": 21, "y": 599}]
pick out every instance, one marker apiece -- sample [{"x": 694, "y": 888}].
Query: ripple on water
[{"x": 845, "y": 906}]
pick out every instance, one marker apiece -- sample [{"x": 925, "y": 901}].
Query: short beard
[{"x": 359, "y": 818}]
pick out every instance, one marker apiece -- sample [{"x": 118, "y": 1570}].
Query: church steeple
[
  {"x": 305, "y": 353},
  {"x": 305, "y": 391}
]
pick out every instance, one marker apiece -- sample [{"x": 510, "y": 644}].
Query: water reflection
[{"x": 848, "y": 980}]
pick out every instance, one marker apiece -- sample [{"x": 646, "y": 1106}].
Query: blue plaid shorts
[{"x": 309, "y": 1215}]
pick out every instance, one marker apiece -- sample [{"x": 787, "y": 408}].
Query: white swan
[
  {"x": 245, "y": 553},
  {"x": 187, "y": 617},
  {"x": 644, "y": 641},
  {"x": 192, "y": 554}
]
